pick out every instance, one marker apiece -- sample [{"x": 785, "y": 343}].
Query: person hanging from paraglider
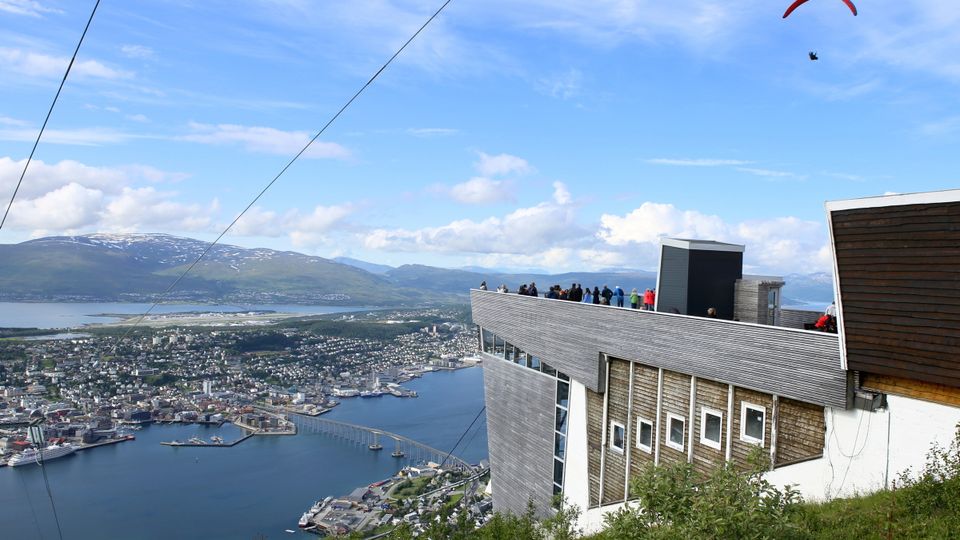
[{"x": 813, "y": 54}]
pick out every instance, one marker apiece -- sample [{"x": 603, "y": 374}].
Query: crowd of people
[{"x": 577, "y": 293}]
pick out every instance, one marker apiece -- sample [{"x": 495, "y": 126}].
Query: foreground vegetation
[{"x": 677, "y": 503}]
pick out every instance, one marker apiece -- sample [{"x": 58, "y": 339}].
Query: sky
[{"x": 553, "y": 135}]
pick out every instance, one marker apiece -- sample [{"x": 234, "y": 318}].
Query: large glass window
[
  {"x": 644, "y": 435},
  {"x": 752, "y": 420},
  {"x": 487, "y": 337},
  {"x": 676, "y": 426},
  {"x": 533, "y": 362},
  {"x": 563, "y": 393},
  {"x": 498, "y": 345},
  {"x": 509, "y": 352},
  {"x": 558, "y": 472},
  {"x": 562, "y": 420},
  {"x": 711, "y": 427},
  {"x": 559, "y": 446},
  {"x": 618, "y": 436},
  {"x": 548, "y": 369}
]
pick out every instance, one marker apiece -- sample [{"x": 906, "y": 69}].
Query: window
[
  {"x": 644, "y": 435},
  {"x": 561, "y": 421},
  {"x": 675, "y": 431},
  {"x": 498, "y": 344},
  {"x": 487, "y": 340},
  {"x": 559, "y": 445},
  {"x": 558, "y": 472},
  {"x": 533, "y": 362},
  {"x": 752, "y": 422},
  {"x": 711, "y": 427},
  {"x": 563, "y": 393},
  {"x": 510, "y": 351},
  {"x": 546, "y": 368},
  {"x": 617, "y": 436}
]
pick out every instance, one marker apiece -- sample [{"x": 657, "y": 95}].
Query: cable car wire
[{"x": 161, "y": 296}]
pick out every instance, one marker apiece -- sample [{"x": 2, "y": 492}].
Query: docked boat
[
  {"x": 32, "y": 455},
  {"x": 305, "y": 520}
]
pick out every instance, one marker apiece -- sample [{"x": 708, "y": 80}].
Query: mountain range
[{"x": 138, "y": 267}]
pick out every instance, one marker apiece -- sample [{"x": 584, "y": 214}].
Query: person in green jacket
[{"x": 634, "y": 299}]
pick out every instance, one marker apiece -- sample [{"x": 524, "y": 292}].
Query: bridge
[{"x": 375, "y": 439}]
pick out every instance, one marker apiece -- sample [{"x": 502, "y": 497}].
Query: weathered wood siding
[
  {"x": 594, "y": 443},
  {"x": 644, "y": 406},
  {"x": 801, "y": 431},
  {"x": 740, "y": 449},
  {"x": 615, "y": 465},
  {"x": 674, "y": 270},
  {"x": 520, "y": 427},
  {"x": 571, "y": 336},
  {"x": 796, "y": 318},
  {"x": 899, "y": 274},
  {"x": 747, "y": 307},
  {"x": 676, "y": 400},
  {"x": 936, "y": 393},
  {"x": 712, "y": 395}
]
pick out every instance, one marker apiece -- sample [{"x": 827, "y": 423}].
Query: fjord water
[
  {"x": 142, "y": 490},
  {"x": 69, "y": 315}
]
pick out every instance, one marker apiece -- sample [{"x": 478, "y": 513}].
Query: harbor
[{"x": 295, "y": 471}]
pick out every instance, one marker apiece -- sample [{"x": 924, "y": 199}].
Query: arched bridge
[{"x": 378, "y": 440}]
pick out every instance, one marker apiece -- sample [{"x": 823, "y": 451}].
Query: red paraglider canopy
[{"x": 795, "y": 5}]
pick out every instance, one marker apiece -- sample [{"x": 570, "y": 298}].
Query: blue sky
[{"x": 555, "y": 135}]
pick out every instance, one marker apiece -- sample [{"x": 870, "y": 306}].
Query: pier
[
  {"x": 376, "y": 439},
  {"x": 189, "y": 444}
]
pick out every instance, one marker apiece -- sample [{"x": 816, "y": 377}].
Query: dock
[{"x": 180, "y": 444}]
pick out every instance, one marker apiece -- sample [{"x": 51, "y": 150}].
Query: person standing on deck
[
  {"x": 483, "y": 285},
  {"x": 634, "y": 298},
  {"x": 618, "y": 292},
  {"x": 532, "y": 289},
  {"x": 587, "y": 296},
  {"x": 596, "y": 295},
  {"x": 607, "y": 294}
]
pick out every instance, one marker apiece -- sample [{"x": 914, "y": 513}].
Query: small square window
[
  {"x": 711, "y": 427},
  {"x": 644, "y": 435},
  {"x": 548, "y": 369},
  {"x": 752, "y": 422},
  {"x": 617, "y": 437},
  {"x": 533, "y": 362},
  {"x": 676, "y": 427}
]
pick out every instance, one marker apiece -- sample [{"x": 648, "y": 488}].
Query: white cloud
[
  {"x": 523, "y": 231},
  {"x": 65, "y": 196},
  {"x": 432, "y": 132},
  {"x": 265, "y": 139},
  {"x": 42, "y": 65},
  {"x": 770, "y": 173},
  {"x": 308, "y": 230},
  {"x": 139, "y": 52},
  {"x": 480, "y": 190},
  {"x": 138, "y": 209},
  {"x": 698, "y": 162},
  {"x": 7, "y": 121},
  {"x": 137, "y": 118},
  {"x": 69, "y": 207},
  {"x": 785, "y": 244},
  {"x": 941, "y": 127},
  {"x": 562, "y": 86},
  {"x": 501, "y": 165},
  {"x": 31, "y": 8},
  {"x": 94, "y": 136}
]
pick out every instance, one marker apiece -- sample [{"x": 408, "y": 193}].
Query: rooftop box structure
[{"x": 696, "y": 275}]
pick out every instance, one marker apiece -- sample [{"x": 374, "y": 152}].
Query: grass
[{"x": 412, "y": 488}]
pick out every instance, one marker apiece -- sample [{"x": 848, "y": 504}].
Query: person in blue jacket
[{"x": 618, "y": 293}]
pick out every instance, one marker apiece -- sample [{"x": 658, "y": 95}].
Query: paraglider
[
  {"x": 813, "y": 55},
  {"x": 795, "y": 5}
]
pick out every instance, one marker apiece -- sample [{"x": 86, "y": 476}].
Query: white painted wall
[
  {"x": 576, "y": 482},
  {"x": 858, "y": 458}
]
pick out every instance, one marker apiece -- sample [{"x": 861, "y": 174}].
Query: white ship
[{"x": 32, "y": 455}]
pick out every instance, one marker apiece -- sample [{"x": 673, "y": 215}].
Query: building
[{"x": 580, "y": 397}]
